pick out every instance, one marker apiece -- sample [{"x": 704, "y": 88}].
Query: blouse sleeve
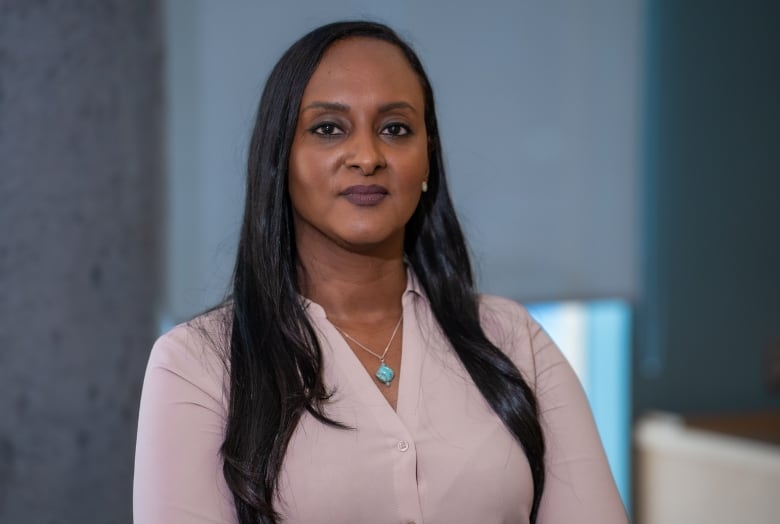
[
  {"x": 178, "y": 469},
  {"x": 579, "y": 486}
]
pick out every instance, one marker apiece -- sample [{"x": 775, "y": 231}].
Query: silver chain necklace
[{"x": 384, "y": 373}]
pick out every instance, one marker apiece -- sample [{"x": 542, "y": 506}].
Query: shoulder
[
  {"x": 182, "y": 415},
  {"x": 195, "y": 352},
  {"x": 510, "y": 327},
  {"x": 503, "y": 318}
]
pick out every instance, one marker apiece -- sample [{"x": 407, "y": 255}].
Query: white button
[{"x": 403, "y": 445}]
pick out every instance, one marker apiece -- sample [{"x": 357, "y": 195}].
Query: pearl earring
[{"x": 425, "y": 186}]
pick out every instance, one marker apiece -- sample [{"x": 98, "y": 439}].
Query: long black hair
[{"x": 275, "y": 361}]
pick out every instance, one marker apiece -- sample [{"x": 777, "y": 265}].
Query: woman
[{"x": 355, "y": 375}]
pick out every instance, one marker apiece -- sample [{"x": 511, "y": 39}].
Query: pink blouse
[{"x": 443, "y": 457}]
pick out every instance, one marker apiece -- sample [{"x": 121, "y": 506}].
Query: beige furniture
[{"x": 708, "y": 470}]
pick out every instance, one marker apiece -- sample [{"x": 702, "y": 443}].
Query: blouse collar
[{"x": 413, "y": 289}]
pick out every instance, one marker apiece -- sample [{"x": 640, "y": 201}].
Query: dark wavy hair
[{"x": 275, "y": 361}]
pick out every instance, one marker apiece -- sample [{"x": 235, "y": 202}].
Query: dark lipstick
[{"x": 369, "y": 195}]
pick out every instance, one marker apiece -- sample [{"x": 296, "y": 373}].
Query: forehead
[{"x": 364, "y": 68}]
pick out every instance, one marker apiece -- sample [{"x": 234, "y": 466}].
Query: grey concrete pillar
[{"x": 80, "y": 193}]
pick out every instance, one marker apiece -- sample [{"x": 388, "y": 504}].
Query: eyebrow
[
  {"x": 330, "y": 106},
  {"x": 396, "y": 105},
  {"x": 343, "y": 108}
]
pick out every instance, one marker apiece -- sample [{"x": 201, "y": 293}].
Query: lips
[{"x": 369, "y": 195}]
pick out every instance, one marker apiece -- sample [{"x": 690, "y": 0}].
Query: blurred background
[{"x": 615, "y": 163}]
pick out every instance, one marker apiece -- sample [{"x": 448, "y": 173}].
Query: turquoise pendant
[{"x": 384, "y": 374}]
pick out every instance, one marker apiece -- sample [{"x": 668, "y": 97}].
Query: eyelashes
[
  {"x": 333, "y": 129},
  {"x": 326, "y": 129},
  {"x": 396, "y": 129}
]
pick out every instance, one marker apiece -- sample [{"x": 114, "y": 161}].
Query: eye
[
  {"x": 396, "y": 129},
  {"x": 326, "y": 129}
]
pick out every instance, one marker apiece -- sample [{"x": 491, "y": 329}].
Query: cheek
[
  {"x": 415, "y": 168},
  {"x": 306, "y": 198},
  {"x": 311, "y": 166},
  {"x": 299, "y": 187},
  {"x": 307, "y": 178},
  {"x": 295, "y": 191}
]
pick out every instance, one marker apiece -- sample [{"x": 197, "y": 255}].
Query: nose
[{"x": 365, "y": 153}]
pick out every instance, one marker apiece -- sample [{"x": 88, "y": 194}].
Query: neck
[{"x": 354, "y": 287}]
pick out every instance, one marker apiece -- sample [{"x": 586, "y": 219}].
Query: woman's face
[{"x": 360, "y": 152}]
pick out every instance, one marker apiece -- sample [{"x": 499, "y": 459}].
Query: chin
[{"x": 367, "y": 243}]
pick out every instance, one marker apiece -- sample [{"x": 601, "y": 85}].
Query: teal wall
[{"x": 711, "y": 206}]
